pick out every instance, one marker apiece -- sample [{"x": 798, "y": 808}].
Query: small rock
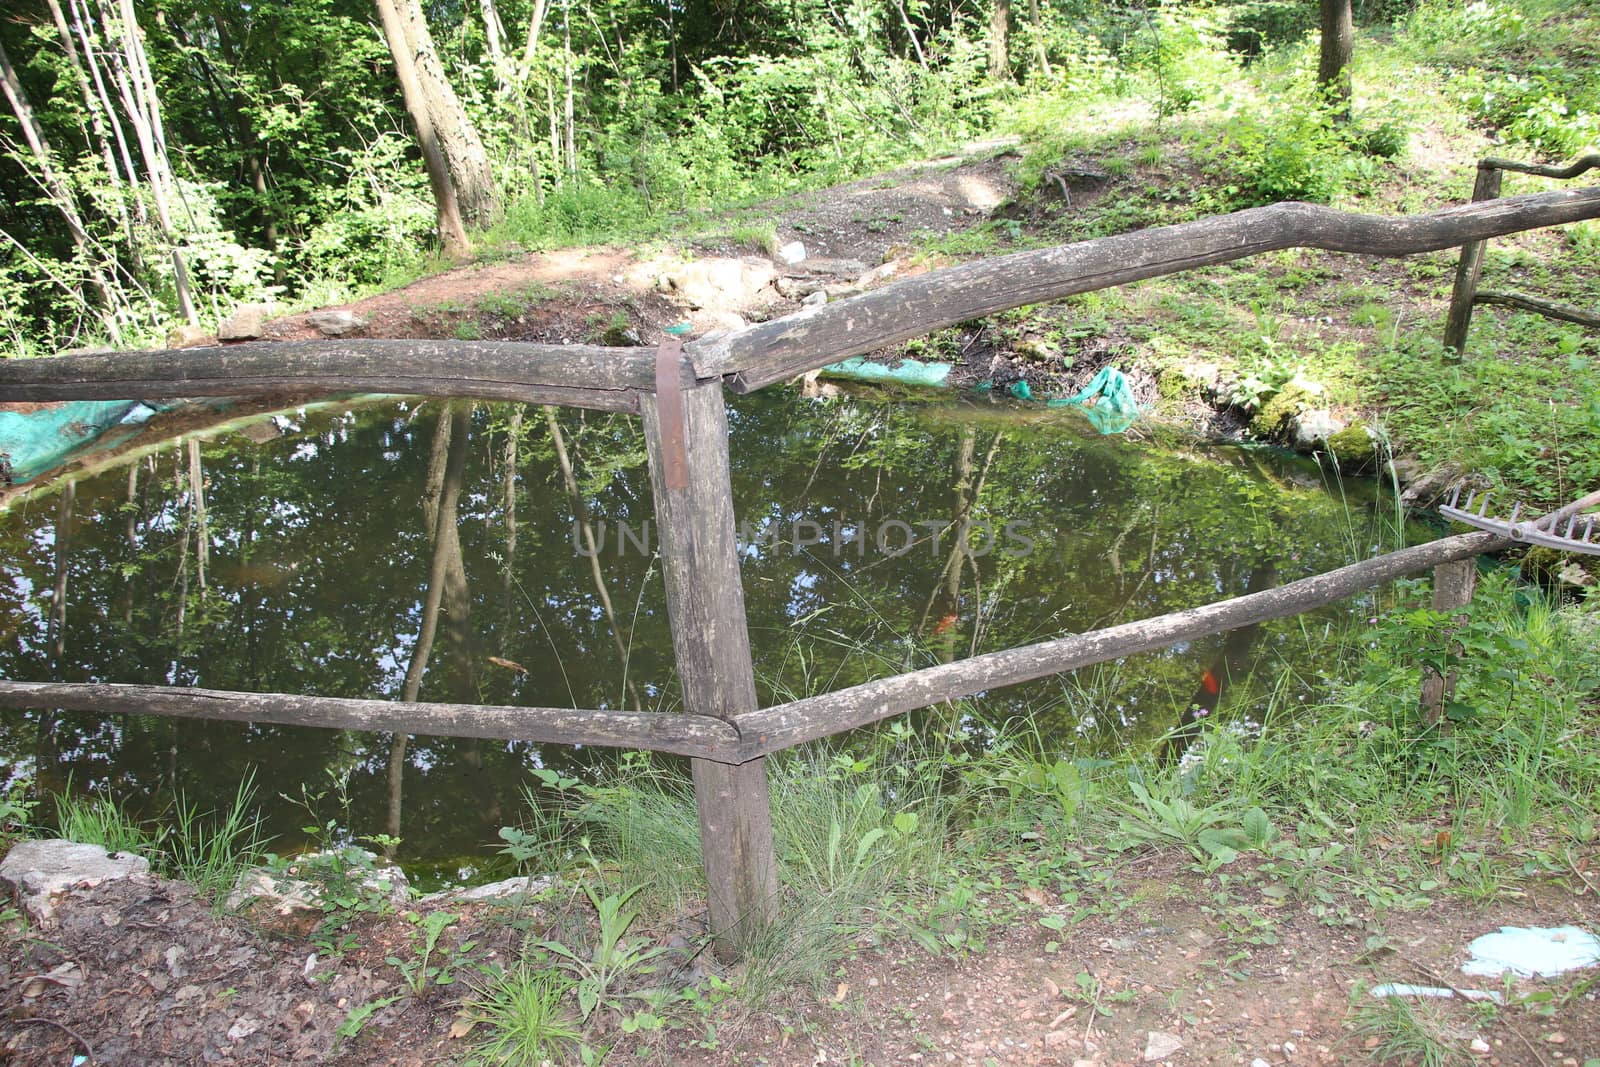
[
  {"x": 880, "y": 273},
  {"x": 1479, "y": 1045},
  {"x": 798, "y": 288},
  {"x": 187, "y": 336},
  {"x": 1572, "y": 574},
  {"x": 295, "y": 899},
  {"x": 711, "y": 320},
  {"x": 1557, "y": 1038},
  {"x": 335, "y": 323},
  {"x": 1259, "y": 1062},
  {"x": 1313, "y": 427},
  {"x": 792, "y": 253},
  {"x": 1423, "y": 488},
  {"x": 247, "y": 322},
  {"x": 39, "y": 871},
  {"x": 1159, "y": 1045},
  {"x": 816, "y": 299},
  {"x": 1056, "y": 1038}
]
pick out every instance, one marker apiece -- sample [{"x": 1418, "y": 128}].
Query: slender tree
[
  {"x": 452, "y": 233},
  {"x": 1338, "y": 46},
  {"x": 476, "y": 191}
]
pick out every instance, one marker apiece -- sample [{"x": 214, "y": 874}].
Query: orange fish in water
[
  {"x": 944, "y": 625},
  {"x": 1209, "y": 683}
]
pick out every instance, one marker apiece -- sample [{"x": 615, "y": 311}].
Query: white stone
[
  {"x": 792, "y": 253},
  {"x": 39, "y": 871},
  {"x": 510, "y": 887},
  {"x": 1259, "y": 1062},
  {"x": 1159, "y": 1045},
  {"x": 1313, "y": 427},
  {"x": 816, "y": 299},
  {"x": 335, "y": 323},
  {"x": 1479, "y": 1045},
  {"x": 288, "y": 895},
  {"x": 719, "y": 283}
]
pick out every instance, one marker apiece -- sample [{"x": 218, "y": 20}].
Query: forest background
[{"x": 166, "y": 160}]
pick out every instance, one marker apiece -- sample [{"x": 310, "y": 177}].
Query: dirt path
[
  {"x": 620, "y": 296},
  {"x": 1161, "y": 965}
]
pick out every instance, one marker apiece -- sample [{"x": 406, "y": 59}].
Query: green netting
[
  {"x": 907, "y": 372},
  {"x": 32, "y": 442},
  {"x": 1106, "y": 401}
]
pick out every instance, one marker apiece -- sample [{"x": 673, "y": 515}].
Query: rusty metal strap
[{"x": 669, "y": 413}]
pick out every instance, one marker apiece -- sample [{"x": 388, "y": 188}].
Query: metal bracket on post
[{"x": 669, "y": 410}]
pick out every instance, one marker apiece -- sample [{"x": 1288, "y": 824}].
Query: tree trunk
[
  {"x": 1338, "y": 45},
  {"x": 463, "y": 149},
  {"x": 1040, "y": 52},
  {"x": 1000, "y": 40},
  {"x": 81, "y": 23},
  {"x": 92, "y": 108},
  {"x": 452, "y": 233}
]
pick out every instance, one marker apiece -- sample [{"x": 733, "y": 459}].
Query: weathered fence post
[
  {"x": 686, "y": 429},
  {"x": 1470, "y": 267},
  {"x": 1453, "y": 585}
]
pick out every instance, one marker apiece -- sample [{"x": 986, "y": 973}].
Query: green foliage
[
  {"x": 99, "y": 820},
  {"x": 210, "y": 853},
  {"x": 1299, "y": 151},
  {"x": 16, "y": 809},
  {"x": 424, "y": 971},
  {"x": 613, "y": 958},
  {"x": 527, "y": 1021}
]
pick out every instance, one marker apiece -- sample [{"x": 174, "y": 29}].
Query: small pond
[{"x": 308, "y": 567}]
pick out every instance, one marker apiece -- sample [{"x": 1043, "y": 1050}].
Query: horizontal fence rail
[
  {"x": 776, "y": 728},
  {"x": 699, "y": 736},
  {"x": 584, "y": 376},
  {"x": 783, "y": 348}
]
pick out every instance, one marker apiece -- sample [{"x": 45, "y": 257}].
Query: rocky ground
[{"x": 1173, "y": 967}]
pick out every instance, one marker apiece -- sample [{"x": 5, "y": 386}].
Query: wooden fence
[
  {"x": 1466, "y": 295},
  {"x": 678, "y": 390}
]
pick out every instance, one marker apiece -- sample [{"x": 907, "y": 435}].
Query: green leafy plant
[
  {"x": 612, "y": 959},
  {"x": 356, "y": 1018},
  {"x": 425, "y": 971}
]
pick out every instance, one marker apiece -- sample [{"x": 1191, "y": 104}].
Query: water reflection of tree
[{"x": 446, "y": 590}]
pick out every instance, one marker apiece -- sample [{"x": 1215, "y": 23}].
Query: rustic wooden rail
[
  {"x": 1465, "y": 295},
  {"x": 722, "y": 729}
]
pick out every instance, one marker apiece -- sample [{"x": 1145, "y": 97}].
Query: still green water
[{"x": 318, "y": 552}]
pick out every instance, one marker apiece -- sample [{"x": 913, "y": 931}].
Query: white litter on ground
[
  {"x": 1400, "y": 989},
  {"x": 1536, "y": 951}
]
